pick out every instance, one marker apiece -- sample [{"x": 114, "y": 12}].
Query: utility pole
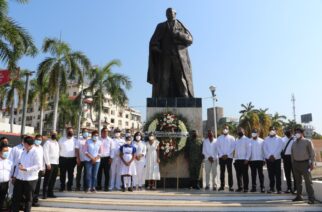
[
  {"x": 214, "y": 99},
  {"x": 293, "y": 103}
]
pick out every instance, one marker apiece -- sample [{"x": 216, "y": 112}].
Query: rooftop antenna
[{"x": 293, "y": 103}]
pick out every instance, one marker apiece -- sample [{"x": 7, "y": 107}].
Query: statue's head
[{"x": 171, "y": 14}]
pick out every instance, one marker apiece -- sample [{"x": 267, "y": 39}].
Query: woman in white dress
[
  {"x": 152, "y": 161},
  {"x": 139, "y": 178},
  {"x": 127, "y": 168}
]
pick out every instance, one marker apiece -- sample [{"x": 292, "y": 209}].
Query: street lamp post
[
  {"x": 81, "y": 106},
  {"x": 214, "y": 99},
  {"x": 24, "y": 110}
]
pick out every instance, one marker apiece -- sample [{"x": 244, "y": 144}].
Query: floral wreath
[{"x": 171, "y": 130}]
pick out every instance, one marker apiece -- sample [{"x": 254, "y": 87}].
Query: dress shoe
[
  {"x": 245, "y": 190},
  {"x": 214, "y": 189},
  {"x": 253, "y": 190},
  {"x": 51, "y": 196},
  {"x": 297, "y": 199},
  {"x": 130, "y": 189},
  {"x": 279, "y": 192},
  {"x": 239, "y": 190},
  {"x": 221, "y": 189},
  {"x": 231, "y": 189},
  {"x": 35, "y": 204},
  {"x": 287, "y": 191},
  {"x": 207, "y": 188},
  {"x": 262, "y": 190},
  {"x": 311, "y": 201}
]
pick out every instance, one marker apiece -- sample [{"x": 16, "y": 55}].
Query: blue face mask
[
  {"x": 37, "y": 142},
  {"x": 95, "y": 138},
  {"x": 85, "y": 134},
  {"x": 5, "y": 155}
]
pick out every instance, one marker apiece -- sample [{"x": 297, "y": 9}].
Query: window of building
[
  {"x": 120, "y": 123},
  {"x": 112, "y": 121},
  {"x": 88, "y": 124},
  {"x": 127, "y": 116},
  {"x": 75, "y": 93},
  {"x": 120, "y": 114},
  {"x": 127, "y": 123}
]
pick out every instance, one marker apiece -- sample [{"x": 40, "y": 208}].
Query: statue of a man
[{"x": 169, "y": 63}]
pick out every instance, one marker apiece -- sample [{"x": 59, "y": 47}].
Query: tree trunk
[
  {"x": 11, "y": 116},
  {"x": 41, "y": 125},
  {"x": 99, "y": 115},
  {"x": 56, "y": 105}
]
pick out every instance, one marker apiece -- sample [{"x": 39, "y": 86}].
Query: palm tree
[
  {"x": 14, "y": 40},
  {"x": 248, "y": 119},
  {"x": 104, "y": 81},
  {"x": 14, "y": 91},
  {"x": 39, "y": 91},
  {"x": 292, "y": 125},
  {"x": 64, "y": 64},
  {"x": 264, "y": 121},
  {"x": 278, "y": 122}
]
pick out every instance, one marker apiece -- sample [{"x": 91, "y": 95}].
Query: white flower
[
  {"x": 167, "y": 145},
  {"x": 162, "y": 147},
  {"x": 167, "y": 151}
]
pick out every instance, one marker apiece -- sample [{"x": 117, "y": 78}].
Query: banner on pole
[{"x": 6, "y": 76}]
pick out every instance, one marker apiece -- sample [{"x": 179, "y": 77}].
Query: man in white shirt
[
  {"x": 80, "y": 159},
  {"x": 51, "y": 159},
  {"x": 257, "y": 161},
  {"x": 39, "y": 149},
  {"x": 67, "y": 159},
  {"x": 273, "y": 146},
  {"x": 226, "y": 146},
  {"x": 288, "y": 141},
  {"x": 106, "y": 160},
  {"x": 6, "y": 141},
  {"x": 242, "y": 156},
  {"x": 27, "y": 176},
  {"x": 5, "y": 168},
  {"x": 14, "y": 157},
  {"x": 115, "y": 177},
  {"x": 210, "y": 153}
]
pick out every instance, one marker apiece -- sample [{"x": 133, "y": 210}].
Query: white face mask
[
  {"x": 117, "y": 135},
  {"x": 272, "y": 132},
  {"x": 138, "y": 138},
  {"x": 225, "y": 131},
  {"x": 254, "y": 135},
  {"x": 298, "y": 135},
  {"x": 151, "y": 138}
]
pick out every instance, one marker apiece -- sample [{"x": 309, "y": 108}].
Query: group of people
[
  {"x": 124, "y": 163},
  {"x": 112, "y": 162},
  {"x": 296, "y": 152}
]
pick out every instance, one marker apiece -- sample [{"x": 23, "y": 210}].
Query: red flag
[{"x": 4, "y": 77}]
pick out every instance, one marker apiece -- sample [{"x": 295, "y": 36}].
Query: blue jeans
[{"x": 91, "y": 174}]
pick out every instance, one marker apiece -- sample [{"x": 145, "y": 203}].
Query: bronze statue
[{"x": 169, "y": 63}]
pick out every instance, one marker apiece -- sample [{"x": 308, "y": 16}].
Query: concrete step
[{"x": 173, "y": 201}]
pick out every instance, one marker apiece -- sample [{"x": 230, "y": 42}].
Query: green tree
[
  {"x": 292, "y": 125},
  {"x": 15, "y": 41},
  {"x": 278, "y": 122},
  {"x": 103, "y": 82},
  {"x": 249, "y": 118},
  {"x": 264, "y": 121},
  {"x": 39, "y": 91},
  {"x": 15, "y": 91},
  {"x": 63, "y": 64}
]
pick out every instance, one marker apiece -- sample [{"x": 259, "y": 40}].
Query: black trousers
[
  {"x": 241, "y": 174},
  {"x": 288, "y": 171},
  {"x": 3, "y": 193},
  {"x": 257, "y": 167},
  {"x": 223, "y": 164},
  {"x": 37, "y": 189},
  {"x": 274, "y": 174},
  {"x": 81, "y": 169},
  {"x": 26, "y": 189},
  {"x": 67, "y": 165},
  {"x": 104, "y": 168},
  {"x": 50, "y": 180}
]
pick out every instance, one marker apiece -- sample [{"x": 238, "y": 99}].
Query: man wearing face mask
[
  {"x": 272, "y": 147},
  {"x": 242, "y": 156},
  {"x": 210, "y": 153},
  {"x": 226, "y": 146},
  {"x": 51, "y": 159},
  {"x": 140, "y": 154},
  {"x": 106, "y": 160},
  {"x": 40, "y": 151},
  {"x": 28, "y": 167},
  {"x": 288, "y": 140},
  {"x": 80, "y": 160},
  {"x": 14, "y": 157},
  {"x": 194, "y": 155},
  {"x": 115, "y": 177},
  {"x": 5, "y": 167},
  {"x": 6, "y": 141},
  {"x": 257, "y": 161},
  {"x": 303, "y": 159},
  {"x": 67, "y": 159}
]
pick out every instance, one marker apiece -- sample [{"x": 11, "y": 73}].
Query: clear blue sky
[{"x": 251, "y": 50}]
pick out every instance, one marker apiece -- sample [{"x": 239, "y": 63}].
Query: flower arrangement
[{"x": 166, "y": 125}]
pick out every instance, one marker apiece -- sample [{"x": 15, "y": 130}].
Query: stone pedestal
[{"x": 189, "y": 108}]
